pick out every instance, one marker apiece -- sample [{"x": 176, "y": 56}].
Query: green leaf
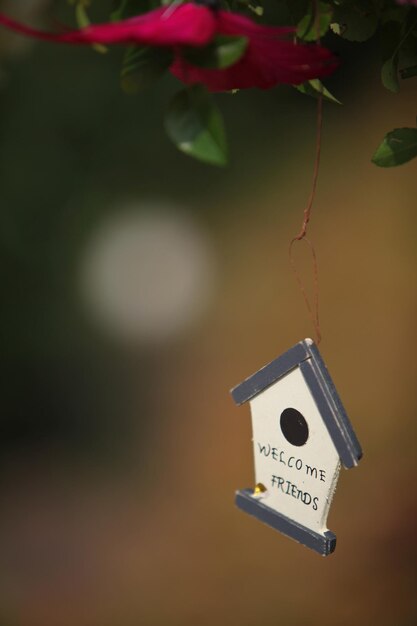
[
  {"x": 398, "y": 147},
  {"x": 389, "y": 74},
  {"x": 255, "y": 6},
  {"x": 83, "y": 21},
  {"x": 120, "y": 10},
  {"x": 222, "y": 52},
  {"x": 314, "y": 88},
  {"x": 399, "y": 52},
  {"x": 357, "y": 22},
  {"x": 390, "y": 38},
  {"x": 127, "y": 8},
  {"x": 407, "y": 58},
  {"x": 195, "y": 125},
  {"x": 81, "y": 15},
  {"x": 337, "y": 29},
  {"x": 312, "y": 26},
  {"x": 142, "y": 66}
]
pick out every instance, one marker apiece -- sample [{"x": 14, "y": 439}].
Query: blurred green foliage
[
  {"x": 393, "y": 24},
  {"x": 73, "y": 145},
  {"x": 74, "y": 148},
  {"x": 354, "y": 20}
]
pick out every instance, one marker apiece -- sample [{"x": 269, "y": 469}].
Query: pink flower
[
  {"x": 185, "y": 25},
  {"x": 270, "y": 56}
]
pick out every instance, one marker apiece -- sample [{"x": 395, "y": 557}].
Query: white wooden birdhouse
[{"x": 301, "y": 436}]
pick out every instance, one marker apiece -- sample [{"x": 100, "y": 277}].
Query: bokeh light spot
[{"x": 147, "y": 273}]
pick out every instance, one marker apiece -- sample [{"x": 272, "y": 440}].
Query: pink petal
[
  {"x": 268, "y": 60},
  {"x": 187, "y": 24}
]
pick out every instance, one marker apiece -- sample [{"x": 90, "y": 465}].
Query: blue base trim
[{"x": 323, "y": 544}]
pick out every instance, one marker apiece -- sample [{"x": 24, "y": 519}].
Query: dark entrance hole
[{"x": 294, "y": 427}]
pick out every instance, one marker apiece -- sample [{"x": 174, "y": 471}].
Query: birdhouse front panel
[
  {"x": 296, "y": 461},
  {"x": 301, "y": 436}
]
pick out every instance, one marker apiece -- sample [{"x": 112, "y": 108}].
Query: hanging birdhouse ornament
[{"x": 301, "y": 436}]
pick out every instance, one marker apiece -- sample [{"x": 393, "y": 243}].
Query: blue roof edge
[
  {"x": 335, "y": 417},
  {"x": 306, "y": 356},
  {"x": 270, "y": 373}
]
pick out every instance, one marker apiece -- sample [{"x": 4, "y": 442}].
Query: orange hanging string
[{"x": 312, "y": 306}]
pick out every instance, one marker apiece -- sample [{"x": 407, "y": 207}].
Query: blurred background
[{"x": 138, "y": 287}]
